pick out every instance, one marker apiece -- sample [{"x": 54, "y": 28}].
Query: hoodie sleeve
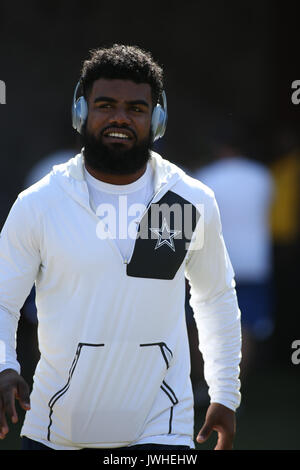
[
  {"x": 19, "y": 265},
  {"x": 216, "y": 312}
]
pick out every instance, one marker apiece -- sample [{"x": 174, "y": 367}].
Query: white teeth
[{"x": 119, "y": 136}]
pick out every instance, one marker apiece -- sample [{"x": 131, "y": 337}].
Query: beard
[{"x": 115, "y": 159}]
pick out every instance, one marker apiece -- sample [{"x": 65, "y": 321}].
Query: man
[
  {"x": 244, "y": 189},
  {"x": 108, "y": 239}
]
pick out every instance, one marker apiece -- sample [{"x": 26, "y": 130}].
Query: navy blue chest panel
[{"x": 164, "y": 235}]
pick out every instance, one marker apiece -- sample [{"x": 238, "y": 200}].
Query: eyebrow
[{"x": 112, "y": 100}]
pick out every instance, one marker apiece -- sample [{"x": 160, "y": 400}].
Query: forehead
[{"x": 121, "y": 90}]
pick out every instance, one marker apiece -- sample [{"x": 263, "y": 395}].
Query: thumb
[
  {"x": 205, "y": 432},
  {"x": 23, "y": 395}
]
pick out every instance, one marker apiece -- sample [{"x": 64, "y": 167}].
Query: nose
[{"x": 120, "y": 117}]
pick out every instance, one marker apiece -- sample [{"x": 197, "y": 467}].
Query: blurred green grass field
[{"x": 268, "y": 418}]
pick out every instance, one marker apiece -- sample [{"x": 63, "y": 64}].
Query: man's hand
[
  {"x": 12, "y": 386},
  {"x": 221, "y": 419}
]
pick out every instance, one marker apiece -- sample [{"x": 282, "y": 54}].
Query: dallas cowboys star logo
[{"x": 165, "y": 235}]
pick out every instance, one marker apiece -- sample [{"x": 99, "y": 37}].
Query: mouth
[{"x": 118, "y": 135}]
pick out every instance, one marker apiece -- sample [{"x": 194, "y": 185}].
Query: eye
[
  {"x": 137, "y": 109},
  {"x": 104, "y": 106}
]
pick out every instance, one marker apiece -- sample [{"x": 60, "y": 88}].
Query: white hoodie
[{"x": 115, "y": 365}]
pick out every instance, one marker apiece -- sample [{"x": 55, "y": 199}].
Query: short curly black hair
[{"x": 125, "y": 62}]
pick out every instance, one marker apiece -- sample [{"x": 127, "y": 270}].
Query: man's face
[{"x": 117, "y": 132}]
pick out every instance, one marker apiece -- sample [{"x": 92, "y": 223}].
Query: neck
[{"x": 115, "y": 179}]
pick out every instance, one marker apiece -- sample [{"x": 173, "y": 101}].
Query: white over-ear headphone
[{"x": 158, "y": 122}]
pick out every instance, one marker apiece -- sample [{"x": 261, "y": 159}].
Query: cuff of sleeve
[
  {"x": 230, "y": 401},
  {"x": 14, "y": 366}
]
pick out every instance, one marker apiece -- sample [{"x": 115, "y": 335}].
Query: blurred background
[{"x": 229, "y": 68}]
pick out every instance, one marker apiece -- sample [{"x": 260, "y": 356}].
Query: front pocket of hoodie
[{"x": 108, "y": 393}]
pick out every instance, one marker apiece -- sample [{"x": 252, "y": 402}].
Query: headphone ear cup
[
  {"x": 79, "y": 113},
  {"x": 158, "y": 122}
]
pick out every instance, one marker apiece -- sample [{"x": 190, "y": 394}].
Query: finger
[
  {"x": 8, "y": 399},
  {"x": 204, "y": 432},
  {"x": 23, "y": 395},
  {"x": 3, "y": 423},
  {"x": 225, "y": 441}
]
